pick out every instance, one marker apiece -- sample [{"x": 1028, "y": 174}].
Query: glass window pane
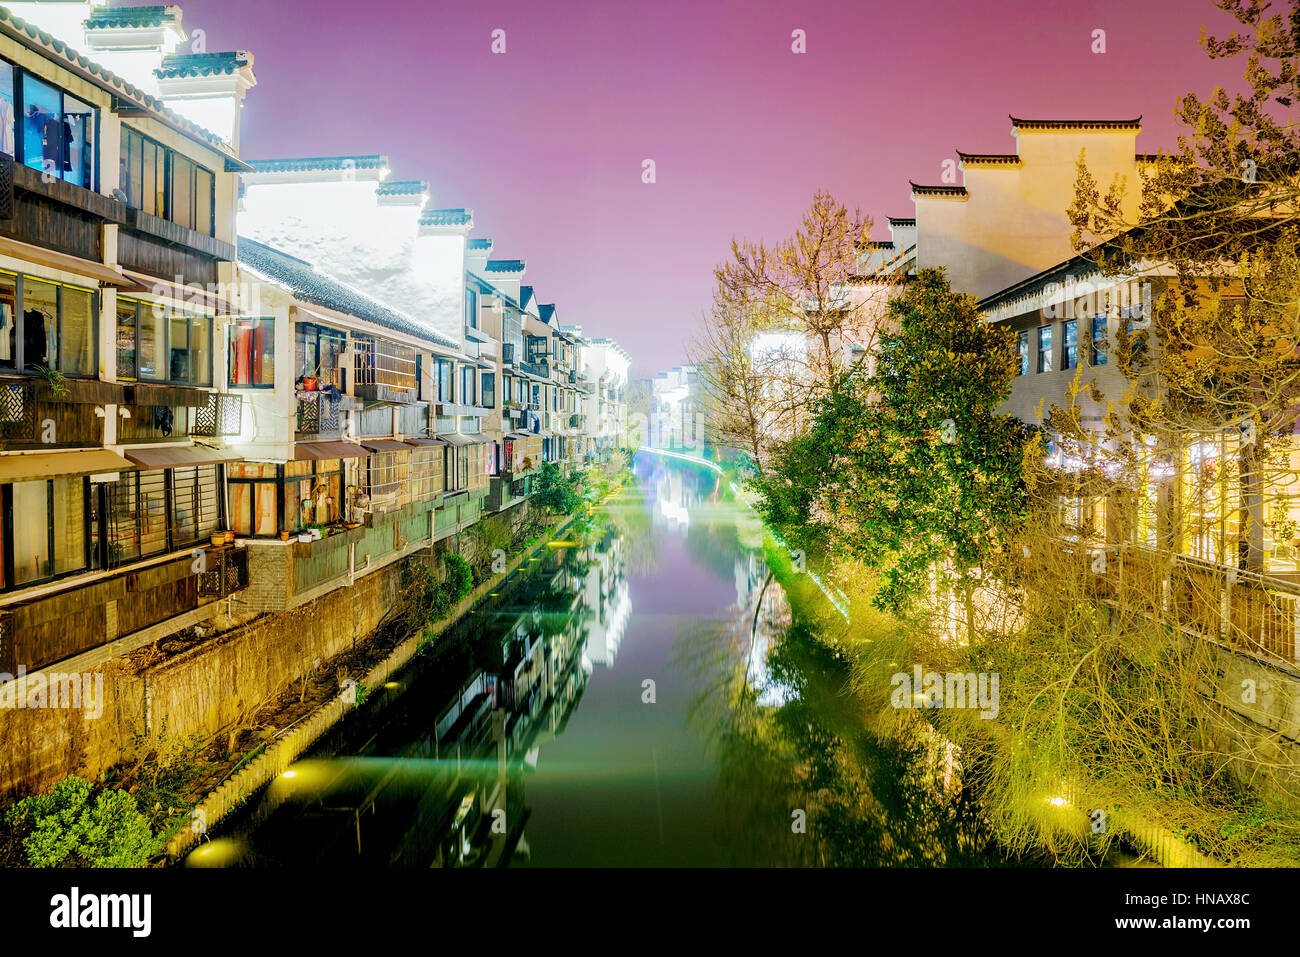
[
  {"x": 31, "y": 530},
  {"x": 78, "y": 332},
  {"x": 8, "y": 320},
  {"x": 1044, "y": 348},
  {"x": 264, "y": 523},
  {"x": 69, "y": 525},
  {"x": 182, "y": 208},
  {"x": 126, "y": 338},
  {"x": 123, "y": 534},
  {"x": 180, "y": 369},
  {"x": 40, "y": 331},
  {"x": 252, "y": 352},
  {"x": 153, "y": 512},
  {"x": 149, "y": 189},
  {"x": 151, "y": 342},
  {"x": 201, "y": 350},
  {"x": 129, "y": 175},
  {"x": 160, "y": 182},
  {"x": 203, "y": 201},
  {"x": 42, "y": 126},
  {"x": 78, "y": 144},
  {"x": 7, "y": 112}
]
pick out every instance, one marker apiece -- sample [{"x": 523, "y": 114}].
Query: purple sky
[{"x": 545, "y": 142}]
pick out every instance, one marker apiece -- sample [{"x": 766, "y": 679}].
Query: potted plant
[
  {"x": 218, "y": 539},
  {"x": 54, "y": 381},
  {"x": 284, "y": 535}
]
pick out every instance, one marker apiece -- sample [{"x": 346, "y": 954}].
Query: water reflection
[{"x": 646, "y": 695}]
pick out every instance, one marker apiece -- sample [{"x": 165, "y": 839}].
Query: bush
[
  {"x": 460, "y": 577},
  {"x": 555, "y": 492},
  {"x": 64, "y": 828}
]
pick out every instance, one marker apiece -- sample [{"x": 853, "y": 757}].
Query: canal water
[{"x": 639, "y": 693}]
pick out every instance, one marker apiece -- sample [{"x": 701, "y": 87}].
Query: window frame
[{"x": 1044, "y": 361}]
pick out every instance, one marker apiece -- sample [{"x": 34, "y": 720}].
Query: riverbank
[{"x": 301, "y": 729}]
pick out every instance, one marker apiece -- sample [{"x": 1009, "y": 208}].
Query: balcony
[
  {"x": 220, "y": 417},
  {"x": 74, "y": 618},
  {"x": 384, "y": 373},
  {"x": 541, "y": 369},
  {"x": 318, "y": 414},
  {"x": 227, "y": 572}
]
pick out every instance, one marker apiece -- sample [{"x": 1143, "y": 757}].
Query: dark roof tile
[{"x": 316, "y": 287}]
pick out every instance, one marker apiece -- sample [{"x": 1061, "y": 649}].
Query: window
[
  {"x": 252, "y": 353},
  {"x": 467, "y": 391},
  {"x": 47, "y": 325},
  {"x": 58, "y": 133},
  {"x": 1070, "y": 357},
  {"x": 1100, "y": 335},
  {"x": 7, "y": 110},
  {"x": 471, "y": 309},
  {"x": 8, "y": 321},
  {"x": 159, "y": 344},
  {"x": 318, "y": 354},
  {"x": 254, "y": 495},
  {"x": 488, "y": 395},
  {"x": 443, "y": 371},
  {"x": 1044, "y": 348},
  {"x": 47, "y": 521},
  {"x": 166, "y": 184}
]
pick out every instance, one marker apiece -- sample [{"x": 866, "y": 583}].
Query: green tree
[
  {"x": 556, "y": 492},
  {"x": 910, "y": 468}
]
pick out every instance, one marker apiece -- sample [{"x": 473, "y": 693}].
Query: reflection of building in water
[
  {"x": 608, "y": 602},
  {"x": 763, "y": 614},
  {"x": 673, "y": 498}
]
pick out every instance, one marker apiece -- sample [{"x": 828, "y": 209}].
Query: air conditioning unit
[{"x": 508, "y": 353}]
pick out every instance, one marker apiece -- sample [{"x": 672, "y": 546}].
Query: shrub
[{"x": 63, "y": 827}]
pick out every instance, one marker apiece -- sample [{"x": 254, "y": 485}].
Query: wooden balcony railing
[{"x": 1253, "y": 612}]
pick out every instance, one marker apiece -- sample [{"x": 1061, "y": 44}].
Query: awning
[
  {"x": 108, "y": 275},
  {"x": 26, "y": 466},
  {"x": 454, "y": 438},
  {"x": 424, "y": 440},
  {"x": 520, "y": 435},
  {"x": 304, "y": 451},
  {"x": 166, "y": 457},
  {"x": 142, "y": 393},
  {"x": 487, "y": 363},
  {"x": 385, "y": 445},
  {"x": 195, "y": 295}
]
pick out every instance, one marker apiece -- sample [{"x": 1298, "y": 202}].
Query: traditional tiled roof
[
  {"x": 63, "y": 54},
  {"x": 483, "y": 244},
  {"x": 203, "y": 64},
  {"x": 107, "y": 18},
  {"x": 447, "y": 217},
  {"x": 402, "y": 187},
  {"x": 876, "y": 244},
  {"x": 546, "y": 311},
  {"x": 1024, "y": 124},
  {"x": 919, "y": 190},
  {"x": 902, "y": 221},
  {"x": 504, "y": 265},
  {"x": 988, "y": 159},
  {"x": 309, "y": 285},
  {"x": 312, "y": 163},
  {"x": 525, "y": 296}
]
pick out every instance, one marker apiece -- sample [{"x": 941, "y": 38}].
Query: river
[{"x": 645, "y": 696}]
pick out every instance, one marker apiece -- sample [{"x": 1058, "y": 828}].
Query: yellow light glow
[
  {"x": 1058, "y": 802},
  {"x": 289, "y": 774}
]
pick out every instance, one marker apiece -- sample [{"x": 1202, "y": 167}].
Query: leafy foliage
[
  {"x": 556, "y": 492},
  {"x": 909, "y": 466},
  {"x": 64, "y": 827}
]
